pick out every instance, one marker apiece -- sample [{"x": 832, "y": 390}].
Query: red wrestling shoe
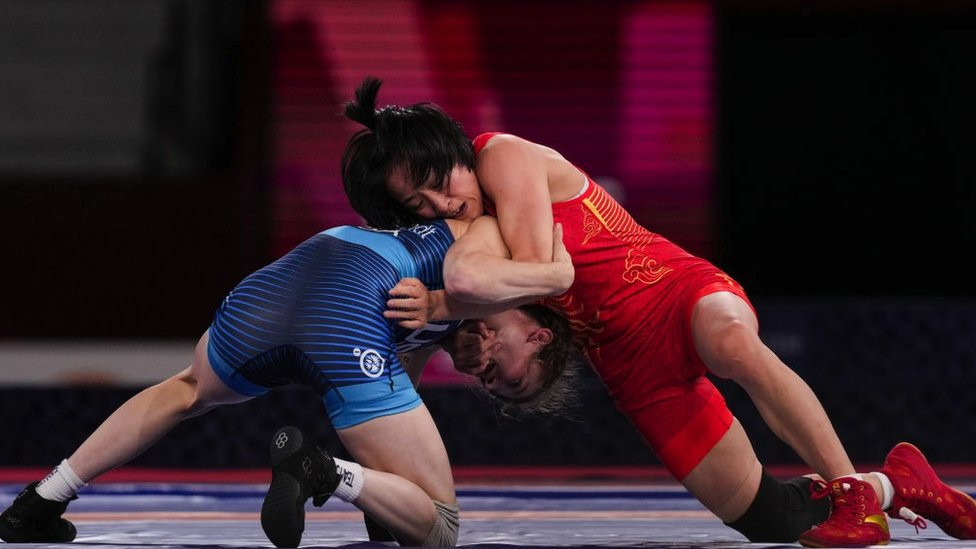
[
  {"x": 919, "y": 490},
  {"x": 856, "y": 518}
]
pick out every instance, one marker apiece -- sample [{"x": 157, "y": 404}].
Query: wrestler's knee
[
  {"x": 444, "y": 533},
  {"x": 184, "y": 391},
  {"x": 731, "y": 350},
  {"x": 781, "y": 511},
  {"x": 196, "y": 390}
]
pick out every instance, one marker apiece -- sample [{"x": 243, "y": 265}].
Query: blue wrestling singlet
[{"x": 315, "y": 317}]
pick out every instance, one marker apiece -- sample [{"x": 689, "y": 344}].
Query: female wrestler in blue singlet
[{"x": 316, "y": 317}]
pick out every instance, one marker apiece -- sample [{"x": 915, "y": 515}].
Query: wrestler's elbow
[{"x": 468, "y": 283}]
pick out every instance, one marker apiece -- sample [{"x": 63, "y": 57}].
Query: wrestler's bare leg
[
  {"x": 727, "y": 478},
  {"x": 406, "y": 467},
  {"x": 146, "y": 417},
  {"x": 726, "y": 335}
]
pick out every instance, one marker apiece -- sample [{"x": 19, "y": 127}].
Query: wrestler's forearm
[
  {"x": 485, "y": 279},
  {"x": 447, "y": 307}
]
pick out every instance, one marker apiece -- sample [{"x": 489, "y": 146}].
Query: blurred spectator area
[
  {"x": 132, "y": 163},
  {"x": 153, "y": 153}
]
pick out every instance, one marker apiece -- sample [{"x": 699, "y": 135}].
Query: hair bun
[{"x": 363, "y": 108}]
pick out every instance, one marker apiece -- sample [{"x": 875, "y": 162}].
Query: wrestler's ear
[{"x": 542, "y": 336}]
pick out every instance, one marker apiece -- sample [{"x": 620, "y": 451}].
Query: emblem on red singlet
[
  {"x": 640, "y": 267},
  {"x": 591, "y": 226}
]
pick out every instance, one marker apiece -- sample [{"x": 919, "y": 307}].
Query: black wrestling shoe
[
  {"x": 299, "y": 470},
  {"x": 33, "y": 519}
]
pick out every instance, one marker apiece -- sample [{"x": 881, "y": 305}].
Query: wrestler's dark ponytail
[{"x": 363, "y": 108}]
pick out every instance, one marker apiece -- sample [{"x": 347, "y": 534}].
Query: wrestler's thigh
[
  {"x": 210, "y": 389},
  {"x": 406, "y": 444}
]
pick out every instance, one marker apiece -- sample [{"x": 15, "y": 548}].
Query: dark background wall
[
  {"x": 133, "y": 164},
  {"x": 845, "y": 146}
]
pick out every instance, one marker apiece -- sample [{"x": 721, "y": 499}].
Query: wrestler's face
[
  {"x": 512, "y": 380},
  {"x": 513, "y": 372},
  {"x": 456, "y": 197}
]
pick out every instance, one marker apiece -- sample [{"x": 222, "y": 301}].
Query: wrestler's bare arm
[
  {"x": 479, "y": 269},
  {"x": 523, "y": 179},
  {"x": 481, "y": 279},
  {"x": 513, "y": 173}
]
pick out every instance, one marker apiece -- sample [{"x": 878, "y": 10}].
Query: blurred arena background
[{"x": 152, "y": 153}]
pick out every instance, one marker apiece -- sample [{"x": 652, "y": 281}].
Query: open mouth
[
  {"x": 459, "y": 212},
  {"x": 486, "y": 374}
]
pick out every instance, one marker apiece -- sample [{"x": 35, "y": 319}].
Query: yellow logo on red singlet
[
  {"x": 591, "y": 226},
  {"x": 601, "y": 210},
  {"x": 640, "y": 267}
]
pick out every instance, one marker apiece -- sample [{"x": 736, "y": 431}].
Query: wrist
[
  {"x": 436, "y": 305},
  {"x": 562, "y": 278}
]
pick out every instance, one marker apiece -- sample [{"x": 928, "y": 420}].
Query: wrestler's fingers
[
  {"x": 410, "y": 319},
  {"x": 408, "y": 303},
  {"x": 475, "y": 363},
  {"x": 408, "y": 287}
]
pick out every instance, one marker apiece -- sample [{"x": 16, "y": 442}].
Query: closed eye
[
  {"x": 414, "y": 205},
  {"x": 438, "y": 184}
]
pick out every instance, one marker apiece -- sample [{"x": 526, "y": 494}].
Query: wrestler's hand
[
  {"x": 562, "y": 259},
  {"x": 470, "y": 347},
  {"x": 409, "y": 304}
]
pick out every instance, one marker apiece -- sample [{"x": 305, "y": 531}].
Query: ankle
[
  {"x": 884, "y": 488},
  {"x": 351, "y": 480},
  {"x": 61, "y": 484},
  {"x": 874, "y": 482}
]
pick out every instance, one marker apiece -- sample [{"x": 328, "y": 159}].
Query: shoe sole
[
  {"x": 963, "y": 498},
  {"x": 283, "y": 510},
  {"x": 805, "y": 543},
  {"x": 13, "y": 536}
]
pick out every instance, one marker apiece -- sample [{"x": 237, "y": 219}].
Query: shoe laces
[
  {"x": 321, "y": 478},
  {"x": 922, "y": 497},
  {"x": 910, "y": 517},
  {"x": 846, "y": 507}
]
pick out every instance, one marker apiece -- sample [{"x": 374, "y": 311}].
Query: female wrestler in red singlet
[{"x": 652, "y": 318}]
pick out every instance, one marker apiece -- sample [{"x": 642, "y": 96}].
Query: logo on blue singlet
[
  {"x": 371, "y": 362},
  {"x": 423, "y": 230},
  {"x": 431, "y": 333}
]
